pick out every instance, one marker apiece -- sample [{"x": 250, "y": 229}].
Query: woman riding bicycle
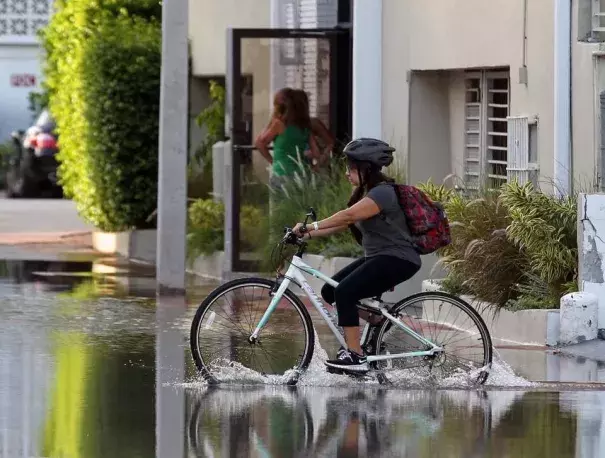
[{"x": 373, "y": 212}]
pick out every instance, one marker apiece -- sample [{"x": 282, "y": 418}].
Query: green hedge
[
  {"x": 103, "y": 77},
  {"x": 206, "y": 228}
]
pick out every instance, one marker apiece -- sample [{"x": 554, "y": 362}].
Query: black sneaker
[{"x": 349, "y": 361}]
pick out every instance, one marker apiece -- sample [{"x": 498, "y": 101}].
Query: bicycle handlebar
[{"x": 291, "y": 238}]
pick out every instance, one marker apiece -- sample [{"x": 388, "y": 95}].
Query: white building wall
[
  {"x": 455, "y": 35},
  {"x": 20, "y": 60},
  {"x": 208, "y": 23}
]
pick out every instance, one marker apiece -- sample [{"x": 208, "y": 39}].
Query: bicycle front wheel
[
  {"x": 444, "y": 320},
  {"x": 222, "y": 326}
]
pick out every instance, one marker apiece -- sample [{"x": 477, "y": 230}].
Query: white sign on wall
[{"x": 23, "y": 80}]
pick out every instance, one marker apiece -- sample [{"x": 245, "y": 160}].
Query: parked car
[{"x": 32, "y": 168}]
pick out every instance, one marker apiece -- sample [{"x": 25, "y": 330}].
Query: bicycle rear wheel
[
  {"x": 445, "y": 320},
  {"x": 224, "y": 322}
]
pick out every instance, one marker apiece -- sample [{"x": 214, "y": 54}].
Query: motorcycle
[{"x": 32, "y": 168}]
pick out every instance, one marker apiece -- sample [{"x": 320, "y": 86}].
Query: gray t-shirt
[{"x": 382, "y": 238}]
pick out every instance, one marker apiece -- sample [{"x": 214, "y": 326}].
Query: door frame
[{"x": 235, "y": 131}]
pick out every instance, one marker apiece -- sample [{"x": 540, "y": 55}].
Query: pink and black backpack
[{"x": 426, "y": 219}]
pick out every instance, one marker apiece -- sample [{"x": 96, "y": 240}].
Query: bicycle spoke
[
  {"x": 283, "y": 343},
  {"x": 465, "y": 340}
]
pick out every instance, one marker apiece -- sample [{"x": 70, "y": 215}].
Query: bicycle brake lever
[{"x": 312, "y": 214}]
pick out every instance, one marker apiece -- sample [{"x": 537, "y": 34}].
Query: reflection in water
[
  {"x": 76, "y": 379},
  {"x": 170, "y": 367},
  {"x": 52, "y": 273},
  {"x": 100, "y": 403},
  {"x": 63, "y": 427},
  {"x": 265, "y": 421}
]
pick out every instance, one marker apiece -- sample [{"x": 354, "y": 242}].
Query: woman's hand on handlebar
[{"x": 299, "y": 230}]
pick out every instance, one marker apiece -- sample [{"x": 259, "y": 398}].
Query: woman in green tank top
[
  {"x": 290, "y": 131},
  {"x": 325, "y": 139}
]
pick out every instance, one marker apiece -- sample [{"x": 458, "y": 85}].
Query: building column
[
  {"x": 562, "y": 98},
  {"x": 172, "y": 163},
  {"x": 367, "y": 68}
]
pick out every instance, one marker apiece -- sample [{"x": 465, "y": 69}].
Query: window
[{"x": 486, "y": 110}]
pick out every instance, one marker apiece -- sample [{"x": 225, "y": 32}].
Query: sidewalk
[
  {"x": 42, "y": 225},
  {"x": 593, "y": 349},
  {"x": 40, "y": 216}
]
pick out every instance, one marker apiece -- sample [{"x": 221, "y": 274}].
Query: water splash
[{"x": 500, "y": 375}]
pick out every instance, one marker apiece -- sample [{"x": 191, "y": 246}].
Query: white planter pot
[{"x": 139, "y": 245}]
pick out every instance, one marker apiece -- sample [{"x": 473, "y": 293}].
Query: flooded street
[{"x": 91, "y": 365}]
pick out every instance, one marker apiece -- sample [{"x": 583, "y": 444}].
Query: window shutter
[
  {"x": 496, "y": 109},
  {"x": 521, "y": 166},
  {"x": 518, "y": 149},
  {"x": 486, "y": 112},
  {"x": 473, "y": 136}
]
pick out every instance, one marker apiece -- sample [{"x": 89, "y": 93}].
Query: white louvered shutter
[
  {"x": 486, "y": 112},
  {"x": 518, "y": 149}
]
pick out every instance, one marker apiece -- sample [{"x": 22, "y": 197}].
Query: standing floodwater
[{"x": 89, "y": 368}]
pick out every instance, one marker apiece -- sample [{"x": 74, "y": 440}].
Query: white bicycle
[{"x": 260, "y": 325}]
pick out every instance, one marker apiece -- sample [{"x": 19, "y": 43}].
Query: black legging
[{"x": 363, "y": 279}]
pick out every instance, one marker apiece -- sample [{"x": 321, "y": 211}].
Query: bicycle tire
[
  {"x": 194, "y": 336},
  {"x": 378, "y": 332}
]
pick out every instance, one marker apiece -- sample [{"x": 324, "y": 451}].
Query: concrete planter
[
  {"x": 139, "y": 245},
  {"x": 524, "y": 327},
  {"x": 579, "y": 315},
  {"x": 209, "y": 266}
]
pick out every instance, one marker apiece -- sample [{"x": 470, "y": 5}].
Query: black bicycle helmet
[{"x": 370, "y": 150}]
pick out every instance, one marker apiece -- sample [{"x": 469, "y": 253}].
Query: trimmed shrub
[
  {"x": 212, "y": 119},
  {"x": 481, "y": 256},
  {"x": 545, "y": 228},
  {"x": 206, "y": 233},
  {"x": 103, "y": 77},
  {"x": 514, "y": 247}
]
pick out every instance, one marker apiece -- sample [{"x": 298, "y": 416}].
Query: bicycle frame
[{"x": 295, "y": 274}]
